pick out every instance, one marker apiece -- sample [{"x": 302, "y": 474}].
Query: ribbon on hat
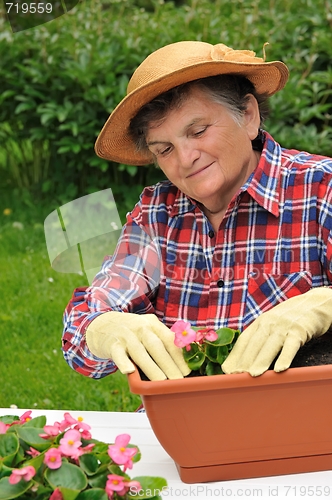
[{"x": 221, "y": 52}]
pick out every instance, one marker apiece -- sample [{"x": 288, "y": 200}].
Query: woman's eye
[
  {"x": 165, "y": 151},
  {"x": 199, "y": 132}
]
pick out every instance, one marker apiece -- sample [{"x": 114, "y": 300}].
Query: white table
[{"x": 156, "y": 462}]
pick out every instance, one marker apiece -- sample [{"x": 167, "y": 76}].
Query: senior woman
[{"x": 239, "y": 234}]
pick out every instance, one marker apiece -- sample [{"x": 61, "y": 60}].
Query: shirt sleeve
[{"x": 127, "y": 282}]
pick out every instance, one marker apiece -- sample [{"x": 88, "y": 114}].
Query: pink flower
[
  {"x": 33, "y": 452},
  {"x": 67, "y": 422},
  {"x": 26, "y": 417},
  {"x": 88, "y": 447},
  {"x": 3, "y": 427},
  {"x": 200, "y": 335},
  {"x": 206, "y": 334},
  {"x": 56, "y": 495},
  {"x": 134, "y": 486},
  {"x": 85, "y": 434},
  {"x": 115, "y": 483},
  {"x": 211, "y": 335},
  {"x": 25, "y": 473},
  {"x": 70, "y": 444},
  {"x": 120, "y": 454},
  {"x": 184, "y": 334},
  {"x": 51, "y": 430},
  {"x": 78, "y": 423},
  {"x": 84, "y": 430},
  {"x": 52, "y": 458}
]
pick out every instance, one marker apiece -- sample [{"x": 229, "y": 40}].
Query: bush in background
[{"x": 61, "y": 80}]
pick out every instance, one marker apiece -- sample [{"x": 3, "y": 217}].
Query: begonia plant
[
  {"x": 204, "y": 349},
  {"x": 63, "y": 462}
]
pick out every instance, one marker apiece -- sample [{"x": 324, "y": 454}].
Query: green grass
[{"x": 33, "y": 372}]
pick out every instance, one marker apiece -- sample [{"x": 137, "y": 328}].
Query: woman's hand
[
  {"x": 142, "y": 338},
  {"x": 284, "y": 328}
]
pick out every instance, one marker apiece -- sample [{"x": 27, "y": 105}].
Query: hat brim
[{"x": 114, "y": 142}]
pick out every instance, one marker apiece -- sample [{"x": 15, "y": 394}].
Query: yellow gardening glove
[
  {"x": 286, "y": 327},
  {"x": 143, "y": 338}
]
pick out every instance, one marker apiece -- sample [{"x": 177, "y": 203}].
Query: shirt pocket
[{"x": 267, "y": 290}]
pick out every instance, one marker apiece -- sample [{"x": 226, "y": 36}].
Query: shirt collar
[{"x": 262, "y": 185}]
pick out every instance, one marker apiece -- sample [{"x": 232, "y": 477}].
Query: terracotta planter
[{"x": 234, "y": 426}]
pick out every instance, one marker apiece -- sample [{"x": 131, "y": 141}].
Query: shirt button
[
  {"x": 211, "y": 233},
  {"x": 220, "y": 283}
]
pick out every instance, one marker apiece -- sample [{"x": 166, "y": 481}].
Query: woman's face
[{"x": 203, "y": 150}]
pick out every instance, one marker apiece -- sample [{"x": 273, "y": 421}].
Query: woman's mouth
[{"x": 199, "y": 171}]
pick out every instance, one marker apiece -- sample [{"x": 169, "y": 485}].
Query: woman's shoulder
[
  {"x": 156, "y": 203},
  {"x": 162, "y": 192},
  {"x": 304, "y": 160},
  {"x": 160, "y": 197}
]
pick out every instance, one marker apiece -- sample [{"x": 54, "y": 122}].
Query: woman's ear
[{"x": 252, "y": 119}]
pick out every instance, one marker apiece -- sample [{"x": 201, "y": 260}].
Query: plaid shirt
[{"x": 274, "y": 242}]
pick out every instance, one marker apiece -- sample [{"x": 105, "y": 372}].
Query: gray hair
[{"x": 229, "y": 90}]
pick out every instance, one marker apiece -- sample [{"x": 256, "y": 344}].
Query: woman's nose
[{"x": 187, "y": 155}]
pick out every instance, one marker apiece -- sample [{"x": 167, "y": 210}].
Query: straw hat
[{"x": 169, "y": 67}]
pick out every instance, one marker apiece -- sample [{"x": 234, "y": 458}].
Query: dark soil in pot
[{"x": 315, "y": 352}]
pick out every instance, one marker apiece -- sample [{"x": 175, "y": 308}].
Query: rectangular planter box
[{"x": 226, "y": 427}]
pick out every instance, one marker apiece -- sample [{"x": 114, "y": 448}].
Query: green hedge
[{"x": 60, "y": 81}]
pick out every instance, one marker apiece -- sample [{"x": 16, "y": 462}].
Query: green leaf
[
  {"x": 236, "y": 336},
  {"x": 130, "y": 169},
  {"x": 211, "y": 352},
  {"x": 99, "y": 446},
  {"x": 188, "y": 355},
  {"x": 99, "y": 480},
  {"x": 196, "y": 362},
  {"x": 213, "y": 369},
  {"x": 116, "y": 469},
  {"x": 38, "y": 422},
  {"x": 8, "y": 491},
  {"x": 18, "y": 457},
  {"x": 36, "y": 462},
  {"x": 24, "y": 106},
  {"x": 151, "y": 487},
  {"x": 68, "y": 476},
  {"x": 89, "y": 463},
  {"x": 9, "y": 419},
  {"x": 103, "y": 458},
  {"x": 6, "y": 95},
  {"x": 9, "y": 446},
  {"x": 76, "y": 148},
  {"x": 68, "y": 493},
  {"x": 157, "y": 497},
  {"x": 46, "y": 117},
  {"x": 4, "y": 470},
  {"x": 222, "y": 353},
  {"x": 31, "y": 436}
]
